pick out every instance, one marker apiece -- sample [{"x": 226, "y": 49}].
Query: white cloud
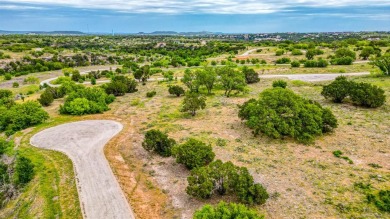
[{"x": 192, "y": 6}]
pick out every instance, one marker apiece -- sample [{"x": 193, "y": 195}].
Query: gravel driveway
[{"x": 100, "y": 194}]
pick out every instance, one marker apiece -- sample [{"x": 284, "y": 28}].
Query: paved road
[
  {"x": 100, "y": 194},
  {"x": 314, "y": 77}
]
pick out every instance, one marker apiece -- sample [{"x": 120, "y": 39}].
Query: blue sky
[{"x": 230, "y": 16}]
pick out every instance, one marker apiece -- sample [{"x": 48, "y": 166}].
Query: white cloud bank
[{"x": 190, "y": 6}]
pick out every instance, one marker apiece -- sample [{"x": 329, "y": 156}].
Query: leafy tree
[
  {"x": 6, "y": 98},
  {"x": 158, "y": 142},
  {"x": 310, "y": 54},
  {"x": 207, "y": 77},
  {"x": 338, "y": 90},
  {"x": 190, "y": 80},
  {"x": 366, "y": 52},
  {"x": 24, "y": 171},
  {"x": 251, "y": 76},
  {"x": 168, "y": 75},
  {"x": 226, "y": 211},
  {"x": 231, "y": 80},
  {"x": 279, "y": 83},
  {"x": 279, "y": 112},
  {"x": 176, "y": 90},
  {"x": 193, "y": 153},
  {"x": 143, "y": 73},
  {"x": 193, "y": 102},
  {"x": 46, "y": 98},
  {"x": 4, "y": 144},
  {"x": 367, "y": 95},
  {"x": 344, "y": 52},
  {"x": 383, "y": 63}
]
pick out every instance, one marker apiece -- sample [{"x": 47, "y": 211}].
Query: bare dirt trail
[
  {"x": 100, "y": 194},
  {"x": 314, "y": 77}
]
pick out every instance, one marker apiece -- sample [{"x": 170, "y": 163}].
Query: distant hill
[
  {"x": 43, "y": 32},
  {"x": 180, "y": 33}
]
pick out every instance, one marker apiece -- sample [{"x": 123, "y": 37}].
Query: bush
[
  {"x": 21, "y": 116},
  {"x": 279, "y": 52},
  {"x": 381, "y": 201},
  {"x": 46, "y": 98},
  {"x": 7, "y": 76},
  {"x": 4, "y": 144},
  {"x": 296, "y": 52},
  {"x": 193, "y": 153},
  {"x": 76, "y": 76},
  {"x": 251, "y": 76},
  {"x": 321, "y": 63},
  {"x": 151, "y": 94},
  {"x": 295, "y": 64},
  {"x": 158, "y": 142},
  {"x": 279, "y": 83},
  {"x": 115, "y": 88},
  {"x": 226, "y": 211},
  {"x": 367, "y": 95},
  {"x": 338, "y": 90},
  {"x": 280, "y": 112},
  {"x": 86, "y": 101},
  {"x": 93, "y": 81},
  {"x": 342, "y": 61},
  {"x": 24, "y": 171},
  {"x": 15, "y": 84},
  {"x": 176, "y": 90},
  {"x": 225, "y": 178},
  {"x": 283, "y": 60}
]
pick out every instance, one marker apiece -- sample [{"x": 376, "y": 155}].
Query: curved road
[{"x": 100, "y": 194}]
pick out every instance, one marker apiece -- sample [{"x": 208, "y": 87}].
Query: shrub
[
  {"x": 24, "y": 171},
  {"x": 280, "y": 112},
  {"x": 342, "y": 61},
  {"x": 279, "y": 52},
  {"x": 21, "y": 116},
  {"x": 151, "y": 94},
  {"x": 193, "y": 153},
  {"x": 283, "y": 60},
  {"x": 93, "y": 81},
  {"x": 225, "y": 178},
  {"x": 46, "y": 98},
  {"x": 367, "y": 95},
  {"x": 193, "y": 102},
  {"x": 296, "y": 52},
  {"x": 226, "y": 211},
  {"x": 295, "y": 64},
  {"x": 4, "y": 144},
  {"x": 115, "y": 88},
  {"x": 381, "y": 201},
  {"x": 15, "y": 84},
  {"x": 7, "y": 76},
  {"x": 279, "y": 83},
  {"x": 31, "y": 80},
  {"x": 6, "y": 98},
  {"x": 176, "y": 90},
  {"x": 86, "y": 101},
  {"x": 251, "y": 76},
  {"x": 76, "y": 76},
  {"x": 158, "y": 142},
  {"x": 338, "y": 90}
]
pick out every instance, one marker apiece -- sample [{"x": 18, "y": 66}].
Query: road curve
[{"x": 100, "y": 194}]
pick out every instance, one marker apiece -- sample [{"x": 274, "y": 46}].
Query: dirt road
[
  {"x": 313, "y": 77},
  {"x": 100, "y": 194}
]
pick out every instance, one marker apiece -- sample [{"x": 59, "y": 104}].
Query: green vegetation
[
  {"x": 226, "y": 211},
  {"x": 193, "y": 102},
  {"x": 279, "y": 83},
  {"x": 381, "y": 200},
  {"x": 279, "y": 112},
  {"x": 158, "y": 142},
  {"x": 225, "y": 178},
  {"x": 176, "y": 90},
  {"x": 193, "y": 153}
]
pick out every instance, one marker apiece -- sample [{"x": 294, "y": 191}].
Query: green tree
[
  {"x": 367, "y": 95},
  {"x": 226, "y": 211},
  {"x": 190, "y": 80},
  {"x": 279, "y": 112},
  {"x": 344, "y": 52},
  {"x": 193, "y": 102},
  {"x": 295, "y": 64},
  {"x": 158, "y": 142},
  {"x": 207, "y": 77},
  {"x": 383, "y": 63},
  {"x": 193, "y": 153},
  {"x": 366, "y": 52},
  {"x": 231, "y": 80},
  {"x": 310, "y": 54},
  {"x": 76, "y": 76},
  {"x": 93, "y": 81}
]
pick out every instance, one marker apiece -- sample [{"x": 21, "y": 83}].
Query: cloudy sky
[{"x": 230, "y": 16}]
